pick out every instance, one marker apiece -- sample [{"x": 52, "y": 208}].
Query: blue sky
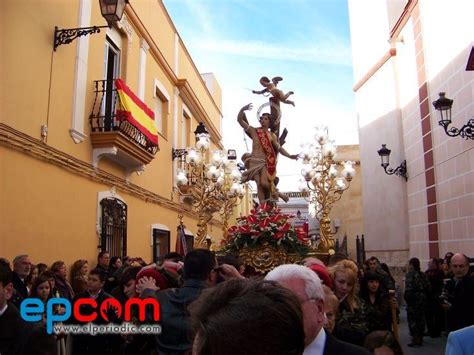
[{"x": 307, "y": 42}]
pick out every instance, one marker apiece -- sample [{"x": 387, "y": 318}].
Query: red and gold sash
[{"x": 269, "y": 151}]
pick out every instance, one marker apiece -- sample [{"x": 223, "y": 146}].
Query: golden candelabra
[
  {"x": 323, "y": 184},
  {"x": 208, "y": 185},
  {"x": 231, "y": 198}
]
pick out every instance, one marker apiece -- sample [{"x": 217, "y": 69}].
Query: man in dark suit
[
  {"x": 458, "y": 294},
  {"x": 103, "y": 261},
  {"x": 12, "y": 327},
  {"x": 306, "y": 286},
  {"x": 21, "y": 270}
]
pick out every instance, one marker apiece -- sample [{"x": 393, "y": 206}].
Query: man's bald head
[{"x": 459, "y": 265}]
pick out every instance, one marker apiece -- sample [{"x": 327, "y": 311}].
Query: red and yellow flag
[{"x": 136, "y": 112}]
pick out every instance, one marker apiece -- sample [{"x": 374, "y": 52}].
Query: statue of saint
[{"x": 261, "y": 163}]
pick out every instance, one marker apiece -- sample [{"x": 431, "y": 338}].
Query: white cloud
[
  {"x": 314, "y": 105},
  {"x": 202, "y": 13},
  {"x": 335, "y": 53}
]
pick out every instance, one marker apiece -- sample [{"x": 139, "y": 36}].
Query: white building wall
[
  {"x": 448, "y": 40},
  {"x": 388, "y": 108},
  {"x": 369, "y": 33},
  {"x": 377, "y": 102}
]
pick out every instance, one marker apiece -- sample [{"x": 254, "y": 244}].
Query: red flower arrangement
[{"x": 266, "y": 224}]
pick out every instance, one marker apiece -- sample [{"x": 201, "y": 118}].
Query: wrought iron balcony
[{"x": 112, "y": 135}]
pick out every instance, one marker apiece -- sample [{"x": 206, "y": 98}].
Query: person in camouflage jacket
[
  {"x": 417, "y": 288},
  {"x": 376, "y": 303},
  {"x": 386, "y": 281}
]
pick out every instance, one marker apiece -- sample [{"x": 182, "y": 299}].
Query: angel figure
[{"x": 271, "y": 87}]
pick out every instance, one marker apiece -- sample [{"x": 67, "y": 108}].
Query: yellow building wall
[
  {"x": 49, "y": 210},
  {"x": 188, "y": 70},
  {"x": 54, "y": 215},
  {"x": 27, "y": 43},
  {"x": 156, "y": 20}
]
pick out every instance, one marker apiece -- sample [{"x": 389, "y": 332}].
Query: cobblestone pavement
[{"x": 430, "y": 346}]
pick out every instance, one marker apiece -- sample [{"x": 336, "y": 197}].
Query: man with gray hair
[
  {"x": 21, "y": 270},
  {"x": 306, "y": 286}
]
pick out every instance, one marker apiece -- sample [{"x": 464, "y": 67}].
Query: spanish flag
[{"x": 136, "y": 112}]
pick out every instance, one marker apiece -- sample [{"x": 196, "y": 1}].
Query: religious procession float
[{"x": 266, "y": 238}]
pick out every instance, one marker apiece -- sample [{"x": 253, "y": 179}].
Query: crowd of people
[{"x": 214, "y": 305}]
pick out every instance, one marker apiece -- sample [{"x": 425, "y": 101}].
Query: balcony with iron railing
[{"x": 112, "y": 136}]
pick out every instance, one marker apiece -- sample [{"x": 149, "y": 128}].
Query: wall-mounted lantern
[
  {"x": 444, "y": 105},
  {"x": 112, "y": 12},
  {"x": 400, "y": 170}
]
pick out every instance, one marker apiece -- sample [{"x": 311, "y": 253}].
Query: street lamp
[
  {"x": 210, "y": 181},
  {"x": 324, "y": 182},
  {"x": 232, "y": 190},
  {"x": 444, "y": 105},
  {"x": 400, "y": 170},
  {"x": 112, "y": 12}
]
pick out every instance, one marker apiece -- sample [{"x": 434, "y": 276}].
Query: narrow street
[{"x": 430, "y": 346}]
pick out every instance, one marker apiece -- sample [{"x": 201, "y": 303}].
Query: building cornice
[
  {"x": 171, "y": 23},
  {"x": 403, "y": 19},
  {"x": 155, "y": 51},
  {"x": 141, "y": 29},
  {"x": 14, "y": 139}
]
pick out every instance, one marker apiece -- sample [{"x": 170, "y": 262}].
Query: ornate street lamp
[
  {"x": 211, "y": 185},
  {"x": 232, "y": 190},
  {"x": 112, "y": 12},
  {"x": 324, "y": 183},
  {"x": 400, "y": 170},
  {"x": 444, "y": 105}
]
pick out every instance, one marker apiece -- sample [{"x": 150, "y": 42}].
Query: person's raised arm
[
  {"x": 286, "y": 154},
  {"x": 242, "y": 119},
  {"x": 260, "y": 92},
  {"x": 278, "y": 148}
]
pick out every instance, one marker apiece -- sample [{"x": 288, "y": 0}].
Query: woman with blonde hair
[
  {"x": 351, "y": 321},
  {"x": 345, "y": 282}
]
